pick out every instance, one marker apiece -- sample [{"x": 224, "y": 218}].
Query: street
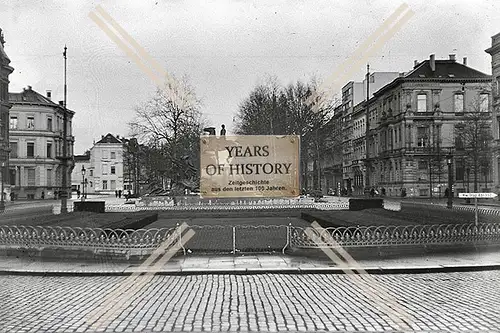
[{"x": 264, "y": 302}]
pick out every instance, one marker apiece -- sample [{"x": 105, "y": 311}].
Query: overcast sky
[{"x": 225, "y": 47}]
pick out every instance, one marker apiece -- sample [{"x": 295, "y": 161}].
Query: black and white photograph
[{"x": 249, "y": 166}]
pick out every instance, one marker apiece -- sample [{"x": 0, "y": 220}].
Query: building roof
[
  {"x": 445, "y": 69},
  {"x": 109, "y": 138},
  {"x": 30, "y": 96}
]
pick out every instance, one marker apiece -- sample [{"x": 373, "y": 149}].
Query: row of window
[
  {"x": 458, "y": 103},
  {"x": 105, "y": 169},
  {"x": 30, "y": 150},
  {"x": 30, "y": 123},
  {"x": 112, "y": 184},
  {"x": 112, "y": 155},
  {"x": 30, "y": 177}
]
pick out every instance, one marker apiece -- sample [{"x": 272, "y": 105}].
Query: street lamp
[
  {"x": 449, "y": 161},
  {"x": 83, "y": 182}
]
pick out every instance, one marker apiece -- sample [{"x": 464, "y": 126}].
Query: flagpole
[{"x": 64, "y": 192}]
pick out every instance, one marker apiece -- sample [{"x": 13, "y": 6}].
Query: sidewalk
[
  {"x": 456, "y": 201},
  {"x": 256, "y": 264}
]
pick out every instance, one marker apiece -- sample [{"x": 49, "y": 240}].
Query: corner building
[
  {"x": 413, "y": 127},
  {"x": 494, "y": 51}
]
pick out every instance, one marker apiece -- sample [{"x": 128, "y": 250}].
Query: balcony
[{"x": 428, "y": 114}]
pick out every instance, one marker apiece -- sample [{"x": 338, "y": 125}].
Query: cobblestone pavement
[{"x": 267, "y": 302}]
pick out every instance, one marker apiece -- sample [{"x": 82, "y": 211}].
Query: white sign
[
  {"x": 249, "y": 166},
  {"x": 477, "y": 195}
]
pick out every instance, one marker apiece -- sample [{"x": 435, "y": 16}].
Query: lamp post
[
  {"x": 449, "y": 161},
  {"x": 83, "y": 182},
  {"x": 64, "y": 192},
  {"x": 4, "y": 158},
  {"x": 2, "y": 202}
]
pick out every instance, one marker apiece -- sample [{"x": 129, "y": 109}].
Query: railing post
[
  {"x": 288, "y": 227},
  {"x": 234, "y": 239},
  {"x": 475, "y": 204}
]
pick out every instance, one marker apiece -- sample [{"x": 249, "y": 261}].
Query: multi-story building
[
  {"x": 36, "y": 144},
  {"x": 106, "y": 165},
  {"x": 494, "y": 51},
  {"x": 354, "y": 93},
  {"x": 5, "y": 71},
  {"x": 415, "y": 122},
  {"x": 358, "y": 143}
]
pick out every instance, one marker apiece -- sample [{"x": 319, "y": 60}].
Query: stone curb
[{"x": 374, "y": 270}]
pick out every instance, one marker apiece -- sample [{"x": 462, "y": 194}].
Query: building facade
[
  {"x": 5, "y": 71},
  {"x": 417, "y": 120},
  {"x": 106, "y": 165},
  {"x": 494, "y": 51},
  {"x": 36, "y": 145},
  {"x": 354, "y": 93}
]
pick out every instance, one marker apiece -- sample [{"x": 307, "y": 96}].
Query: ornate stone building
[
  {"x": 36, "y": 144},
  {"x": 5, "y": 71},
  {"x": 494, "y": 50},
  {"x": 414, "y": 124}
]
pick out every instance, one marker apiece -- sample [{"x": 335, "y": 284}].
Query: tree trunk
[{"x": 475, "y": 176}]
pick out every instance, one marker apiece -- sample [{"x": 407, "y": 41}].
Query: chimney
[
  {"x": 415, "y": 63},
  {"x": 452, "y": 57},
  {"x": 102, "y": 137},
  {"x": 432, "y": 62},
  {"x": 29, "y": 87},
  {"x": 49, "y": 94},
  {"x": 465, "y": 61}
]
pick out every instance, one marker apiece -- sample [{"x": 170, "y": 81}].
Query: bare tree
[
  {"x": 474, "y": 139},
  {"x": 171, "y": 123},
  {"x": 271, "y": 109}
]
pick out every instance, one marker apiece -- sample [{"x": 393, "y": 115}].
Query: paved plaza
[{"x": 263, "y": 302}]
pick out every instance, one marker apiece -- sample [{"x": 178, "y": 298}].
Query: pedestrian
[
  {"x": 116, "y": 193},
  {"x": 12, "y": 195},
  {"x": 78, "y": 193},
  {"x": 119, "y": 194},
  {"x": 55, "y": 194},
  {"x": 383, "y": 191},
  {"x": 446, "y": 192},
  {"x": 43, "y": 195},
  {"x": 372, "y": 192}
]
